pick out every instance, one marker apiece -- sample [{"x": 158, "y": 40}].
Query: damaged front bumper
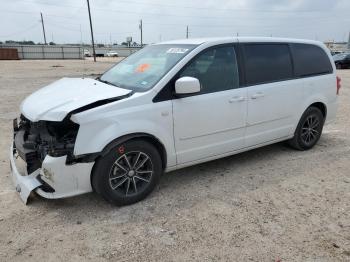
[
  {"x": 25, "y": 183},
  {"x": 55, "y": 179}
]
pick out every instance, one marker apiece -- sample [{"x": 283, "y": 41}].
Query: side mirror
[{"x": 187, "y": 85}]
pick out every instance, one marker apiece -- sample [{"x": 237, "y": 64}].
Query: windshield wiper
[{"x": 106, "y": 82}]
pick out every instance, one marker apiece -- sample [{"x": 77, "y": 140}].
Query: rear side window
[
  {"x": 266, "y": 63},
  {"x": 310, "y": 60}
]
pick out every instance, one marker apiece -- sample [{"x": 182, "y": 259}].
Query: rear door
[
  {"x": 273, "y": 95},
  {"x": 313, "y": 65}
]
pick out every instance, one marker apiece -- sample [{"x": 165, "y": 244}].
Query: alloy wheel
[
  {"x": 310, "y": 130},
  {"x": 131, "y": 173}
]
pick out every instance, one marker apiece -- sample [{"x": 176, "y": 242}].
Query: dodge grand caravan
[{"x": 168, "y": 106}]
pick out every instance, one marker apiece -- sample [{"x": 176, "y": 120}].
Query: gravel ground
[{"x": 269, "y": 204}]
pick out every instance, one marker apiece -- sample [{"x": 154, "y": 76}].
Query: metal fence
[
  {"x": 122, "y": 51},
  {"x": 47, "y": 52},
  {"x": 64, "y": 51}
]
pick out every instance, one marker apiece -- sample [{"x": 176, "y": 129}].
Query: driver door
[{"x": 212, "y": 122}]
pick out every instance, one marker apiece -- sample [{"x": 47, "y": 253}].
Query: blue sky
[{"x": 66, "y": 21}]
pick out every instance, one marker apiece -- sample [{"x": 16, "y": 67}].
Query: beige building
[{"x": 338, "y": 46}]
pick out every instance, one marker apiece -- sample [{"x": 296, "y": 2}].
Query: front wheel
[
  {"x": 128, "y": 173},
  {"x": 309, "y": 129}
]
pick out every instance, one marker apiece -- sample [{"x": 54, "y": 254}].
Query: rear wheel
[
  {"x": 309, "y": 129},
  {"x": 128, "y": 173}
]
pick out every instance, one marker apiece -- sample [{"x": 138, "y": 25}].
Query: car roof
[{"x": 199, "y": 41}]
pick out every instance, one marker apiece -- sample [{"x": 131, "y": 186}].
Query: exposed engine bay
[
  {"x": 44, "y": 155},
  {"x": 34, "y": 140}
]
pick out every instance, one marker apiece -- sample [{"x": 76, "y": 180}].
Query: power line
[
  {"x": 77, "y": 29},
  {"x": 226, "y": 9},
  {"x": 36, "y": 24},
  {"x": 48, "y": 20},
  {"x": 330, "y": 17},
  {"x": 225, "y": 25},
  {"x": 228, "y": 25},
  {"x": 196, "y": 7},
  {"x": 202, "y": 25}
]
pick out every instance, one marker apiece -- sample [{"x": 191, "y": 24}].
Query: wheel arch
[
  {"x": 322, "y": 107},
  {"x": 144, "y": 136},
  {"x": 315, "y": 103}
]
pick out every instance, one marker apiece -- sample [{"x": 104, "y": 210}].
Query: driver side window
[{"x": 216, "y": 69}]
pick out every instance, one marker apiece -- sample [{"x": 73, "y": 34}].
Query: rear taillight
[{"x": 338, "y": 84}]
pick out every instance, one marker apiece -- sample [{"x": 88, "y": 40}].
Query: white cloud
[{"x": 115, "y": 20}]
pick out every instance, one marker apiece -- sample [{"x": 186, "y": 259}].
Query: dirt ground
[{"x": 269, "y": 204}]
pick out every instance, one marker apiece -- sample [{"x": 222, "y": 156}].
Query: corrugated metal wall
[
  {"x": 122, "y": 51},
  {"x": 47, "y": 52},
  {"x": 63, "y": 51}
]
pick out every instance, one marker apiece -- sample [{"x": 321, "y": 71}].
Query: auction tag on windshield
[
  {"x": 142, "y": 68},
  {"x": 177, "y": 50}
]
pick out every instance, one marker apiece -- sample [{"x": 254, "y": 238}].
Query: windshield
[{"x": 142, "y": 70}]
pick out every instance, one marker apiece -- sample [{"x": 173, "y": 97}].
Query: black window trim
[{"x": 162, "y": 95}]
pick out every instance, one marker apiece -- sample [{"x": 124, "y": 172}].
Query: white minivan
[{"x": 168, "y": 106}]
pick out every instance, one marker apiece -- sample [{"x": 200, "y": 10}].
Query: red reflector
[{"x": 338, "y": 84}]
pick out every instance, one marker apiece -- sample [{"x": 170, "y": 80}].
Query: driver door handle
[{"x": 237, "y": 99}]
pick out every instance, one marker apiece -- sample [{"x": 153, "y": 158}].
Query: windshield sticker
[
  {"x": 177, "y": 50},
  {"x": 142, "y": 68}
]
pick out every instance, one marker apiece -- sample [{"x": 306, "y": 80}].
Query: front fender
[{"x": 95, "y": 135}]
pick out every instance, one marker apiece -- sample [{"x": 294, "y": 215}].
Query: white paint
[
  {"x": 56, "y": 100},
  {"x": 193, "y": 129},
  {"x": 24, "y": 183},
  {"x": 187, "y": 85}
]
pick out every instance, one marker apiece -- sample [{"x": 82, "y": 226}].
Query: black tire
[
  {"x": 309, "y": 129},
  {"x": 123, "y": 163}
]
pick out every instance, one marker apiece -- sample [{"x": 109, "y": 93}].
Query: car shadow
[
  {"x": 180, "y": 188},
  {"x": 223, "y": 180}
]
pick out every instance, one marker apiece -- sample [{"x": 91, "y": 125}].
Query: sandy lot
[{"x": 268, "y": 204}]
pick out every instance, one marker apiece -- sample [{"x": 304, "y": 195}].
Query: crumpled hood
[{"x": 55, "y": 101}]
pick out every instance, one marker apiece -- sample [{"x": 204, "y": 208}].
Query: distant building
[{"x": 338, "y": 46}]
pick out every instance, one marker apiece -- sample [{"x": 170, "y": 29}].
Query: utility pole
[
  {"x": 140, "y": 26},
  {"x": 81, "y": 36},
  {"x": 187, "y": 32},
  {"x": 92, "y": 33},
  {"x": 42, "y": 23}
]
